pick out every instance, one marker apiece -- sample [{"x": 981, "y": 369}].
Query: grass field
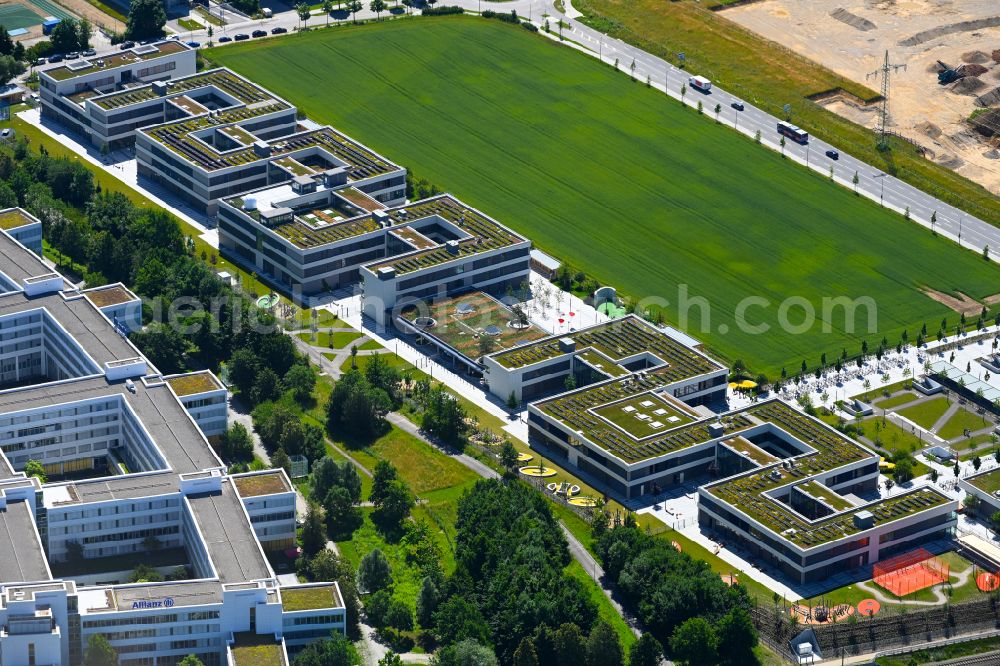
[
  {"x": 773, "y": 76},
  {"x": 656, "y": 196},
  {"x": 897, "y": 400},
  {"x": 961, "y": 421},
  {"x": 926, "y": 413}
]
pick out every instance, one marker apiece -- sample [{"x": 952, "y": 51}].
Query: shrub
[{"x": 442, "y": 11}]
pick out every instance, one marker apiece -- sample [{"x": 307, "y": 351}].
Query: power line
[{"x": 883, "y": 116}]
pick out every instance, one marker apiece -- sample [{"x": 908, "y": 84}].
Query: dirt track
[{"x": 851, "y": 37}]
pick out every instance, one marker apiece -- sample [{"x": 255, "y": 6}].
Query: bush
[
  {"x": 442, "y": 11},
  {"x": 501, "y": 16},
  {"x": 529, "y": 26}
]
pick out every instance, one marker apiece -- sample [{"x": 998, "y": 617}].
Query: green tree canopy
[
  {"x": 374, "y": 572},
  {"x": 99, "y": 652},
  {"x": 146, "y": 19}
]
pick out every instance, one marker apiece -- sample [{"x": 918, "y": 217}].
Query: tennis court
[
  {"x": 17, "y": 16},
  {"x": 52, "y": 9}
]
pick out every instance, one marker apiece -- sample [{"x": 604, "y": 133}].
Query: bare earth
[
  {"x": 961, "y": 303},
  {"x": 917, "y": 33}
]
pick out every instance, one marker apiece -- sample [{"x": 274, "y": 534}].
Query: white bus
[{"x": 796, "y": 134}]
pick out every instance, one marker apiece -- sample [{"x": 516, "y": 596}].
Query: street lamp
[{"x": 881, "y": 194}]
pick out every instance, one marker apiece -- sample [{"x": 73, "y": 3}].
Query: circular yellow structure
[
  {"x": 537, "y": 471},
  {"x": 524, "y": 457},
  {"x": 585, "y": 501}
]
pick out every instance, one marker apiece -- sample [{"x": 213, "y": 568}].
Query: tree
[
  {"x": 377, "y": 6},
  {"x": 342, "y": 516},
  {"x": 334, "y": 651},
  {"x": 34, "y": 468},
  {"x": 569, "y": 645},
  {"x": 280, "y": 460},
  {"x": 382, "y": 476},
  {"x": 300, "y": 380},
  {"x": 314, "y": 536},
  {"x": 394, "y": 507},
  {"x": 374, "y": 573},
  {"x": 9, "y": 69},
  {"x": 512, "y": 401},
  {"x": 303, "y": 11},
  {"x": 390, "y": 658},
  {"x": 191, "y": 660},
  {"x": 357, "y": 407},
  {"x": 146, "y": 19},
  {"x": 855, "y": 180},
  {"x": 646, "y": 651},
  {"x": 457, "y": 620},
  {"x": 99, "y": 652},
  {"x": 237, "y": 443},
  {"x": 84, "y": 30},
  {"x": 466, "y": 653},
  {"x": 694, "y": 643},
  {"x": 427, "y": 603},
  {"x": 737, "y": 637},
  {"x": 508, "y": 456},
  {"x": 328, "y": 9},
  {"x": 266, "y": 386},
  {"x": 525, "y": 654},
  {"x": 143, "y": 573},
  {"x": 64, "y": 36},
  {"x": 604, "y": 648},
  {"x": 399, "y": 616},
  {"x": 444, "y": 417},
  {"x": 781, "y": 142},
  {"x": 977, "y": 463}
]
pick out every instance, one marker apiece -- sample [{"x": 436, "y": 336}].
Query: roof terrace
[
  {"x": 223, "y": 79},
  {"x": 193, "y": 383}
]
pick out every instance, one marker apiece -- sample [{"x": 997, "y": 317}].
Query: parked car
[
  {"x": 40, "y": 61},
  {"x": 279, "y": 30},
  {"x": 242, "y": 37},
  {"x": 833, "y": 154},
  {"x": 193, "y": 44},
  {"x": 55, "y": 58},
  {"x": 89, "y": 53},
  {"x": 737, "y": 105},
  {"x": 225, "y": 39},
  {"x": 6, "y": 134},
  {"x": 259, "y": 33},
  {"x": 74, "y": 55},
  {"x": 126, "y": 45}
]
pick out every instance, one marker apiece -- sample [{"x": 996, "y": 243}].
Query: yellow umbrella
[
  {"x": 747, "y": 384},
  {"x": 733, "y": 385}
]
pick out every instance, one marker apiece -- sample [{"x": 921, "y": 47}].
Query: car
[
  {"x": 242, "y": 37},
  {"x": 7, "y": 134},
  {"x": 127, "y": 45},
  {"x": 193, "y": 44},
  {"x": 833, "y": 154},
  {"x": 279, "y": 30},
  {"x": 89, "y": 53},
  {"x": 259, "y": 33},
  {"x": 225, "y": 39},
  {"x": 55, "y": 58},
  {"x": 175, "y": 37},
  {"x": 72, "y": 56},
  {"x": 40, "y": 61},
  {"x": 737, "y": 105}
]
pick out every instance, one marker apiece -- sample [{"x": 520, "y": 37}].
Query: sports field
[
  {"x": 621, "y": 182},
  {"x": 16, "y": 16}
]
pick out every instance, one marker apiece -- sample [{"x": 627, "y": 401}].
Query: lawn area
[
  {"x": 189, "y": 24},
  {"x": 717, "y": 48},
  {"x": 962, "y": 420},
  {"x": 926, "y": 413},
  {"x": 777, "y": 229},
  {"x": 890, "y": 436},
  {"x": 897, "y": 400},
  {"x": 406, "y": 576},
  {"x": 330, "y": 339}
]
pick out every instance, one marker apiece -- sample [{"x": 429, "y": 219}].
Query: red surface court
[
  {"x": 909, "y": 572},
  {"x": 987, "y": 582},
  {"x": 869, "y": 607}
]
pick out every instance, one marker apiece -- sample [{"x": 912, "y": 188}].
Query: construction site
[{"x": 945, "y": 68}]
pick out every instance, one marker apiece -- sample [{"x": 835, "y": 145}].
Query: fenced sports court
[
  {"x": 909, "y": 572},
  {"x": 15, "y": 16}
]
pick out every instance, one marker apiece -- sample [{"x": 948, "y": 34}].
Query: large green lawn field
[{"x": 621, "y": 182}]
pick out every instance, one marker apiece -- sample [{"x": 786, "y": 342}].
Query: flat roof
[
  {"x": 20, "y": 263},
  {"x": 482, "y": 234},
  {"x": 146, "y": 596},
  {"x": 232, "y": 544},
  {"x": 461, "y": 322},
  {"x": 257, "y": 650},
  {"x": 74, "y": 68},
  {"x": 988, "y": 482},
  {"x": 13, "y": 218},
  {"x": 257, "y": 484},
  {"x": 112, "y": 294},
  {"x": 193, "y": 383},
  {"x": 225, "y": 80},
  {"x": 22, "y": 558},
  {"x": 311, "y": 597}
]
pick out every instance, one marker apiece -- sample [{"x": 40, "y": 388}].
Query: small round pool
[{"x": 268, "y": 301}]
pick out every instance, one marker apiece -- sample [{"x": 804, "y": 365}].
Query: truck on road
[{"x": 700, "y": 83}]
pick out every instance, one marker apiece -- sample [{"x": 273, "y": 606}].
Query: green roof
[
  {"x": 314, "y": 597},
  {"x": 192, "y": 383},
  {"x": 486, "y": 234},
  {"x": 257, "y": 650},
  {"x": 988, "y": 482},
  {"x": 75, "y": 68},
  {"x": 223, "y": 79},
  {"x": 14, "y": 218}
]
